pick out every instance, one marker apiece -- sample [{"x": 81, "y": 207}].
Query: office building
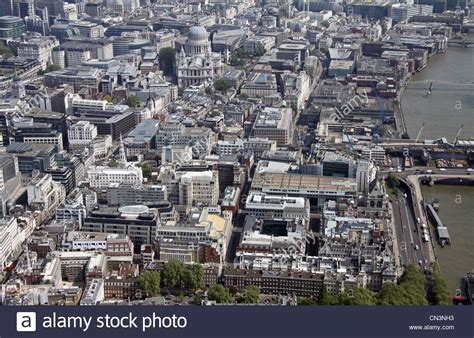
[
  {"x": 11, "y": 27},
  {"x": 101, "y": 177},
  {"x": 138, "y": 222},
  {"x": 202, "y": 238},
  {"x": 141, "y": 139},
  {"x": 276, "y": 207},
  {"x": 9, "y": 240},
  {"x": 78, "y": 78},
  {"x": 45, "y": 194},
  {"x": 81, "y": 133},
  {"x": 260, "y": 85},
  {"x": 127, "y": 194},
  {"x": 403, "y": 12},
  {"x": 190, "y": 187},
  {"x": 275, "y": 124},
  {"x": 38, "y": 48}
]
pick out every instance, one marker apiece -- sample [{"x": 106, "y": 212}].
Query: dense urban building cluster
[{"x": 243, "y": 137}]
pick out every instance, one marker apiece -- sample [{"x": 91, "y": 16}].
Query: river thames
[
  {"x": 450, "y": 105},
  {"x": 452, "y": 100}
]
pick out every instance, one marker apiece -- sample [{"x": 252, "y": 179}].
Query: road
[{"x": 408, "y": 232}]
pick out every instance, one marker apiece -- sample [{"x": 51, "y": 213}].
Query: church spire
[{"x": 122, "y": 156}]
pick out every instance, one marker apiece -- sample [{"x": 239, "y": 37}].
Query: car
[
  {"x": 416, "y": 247},
  {"x": 470, "y": 169},
  {"x": 420, "y": 263},
  {"x": 443, "y": 169}
]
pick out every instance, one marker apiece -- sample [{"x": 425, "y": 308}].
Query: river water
[
  {"x": 450, "y": 105},
  {"x": 456, "y": 210},
  {"x": 451, "y": 102}
]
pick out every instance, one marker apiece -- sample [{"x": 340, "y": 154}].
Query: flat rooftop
[{"x": 304, "y": 184}]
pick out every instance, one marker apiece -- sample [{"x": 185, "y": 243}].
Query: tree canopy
[
  {"x": 6, "y": 51},
  {"x": 393, "y": 183},
  {"x": 178, "y": 276},
  {"x": 220, "y": 294},
  {"x": 132, "y": 101},
  {"x": 259, "y": 51},
  {"x": 440, "y": 287},
  {"x": 250, "y": 295},
  {"x": 409, "y": 291},
  {"x": 146, "y": 170},
  {"x": 325, "y": 298},
  {"x": 222, "y": 85},
  {"x": 306, "y": 301},
  {"x": 167, "y": 60},
  {"x": 149, "y": 283},
  {"x": 193, "y": 277},
  {"x": 49, "y": 68},
  {"x": 357, "y": 296},
  {"x": 172, "y": 274}
]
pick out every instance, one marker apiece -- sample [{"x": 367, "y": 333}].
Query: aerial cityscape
[{"x": 206, "y": 152}]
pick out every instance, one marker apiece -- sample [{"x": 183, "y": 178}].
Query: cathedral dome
[{"x": 197, "y": 33}]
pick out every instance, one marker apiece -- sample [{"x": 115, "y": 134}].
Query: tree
[
  {"x": 107, "y": 98},
  {"x": 132, "y": 101},
  {"x": 167, "y": 60},
  {"x": 181, "y": 298},
  {"x": 440, "y": 287},
  {"x": 391, "y": 294},
  {"x": 325, "y": 298},
  {"x": 357, "y": 296},
  {"x": 392, "y": 181},
  {"x": 259, "y": 51},
  {"x": 251, "y": 295},
  {"x": 222, "y": 85},
  {"x": 239, "y": 58},
  {"x": 113, "y": 163},
  {"x": 220, "y": 294},
  {"x": 172, "y": 274},
  {"x": 49, "y": 68},
  {"x": 409, "y": 291},
  {"x": 198, "y": 299},
  {"x": 146, "y": 170},
  {"x": 193, "y": 277},
  {"x": 5, "y": 51},
  {"x": 325, "y": 24},
  {"x": 149, "y": 283},
  {"x": 306, "y": 301}
]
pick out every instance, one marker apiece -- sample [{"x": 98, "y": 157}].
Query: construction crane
[
  {"x": 456, "y": 140},
  {"x": 419, "y": 132},
  {"x": 457, "y": 135}
]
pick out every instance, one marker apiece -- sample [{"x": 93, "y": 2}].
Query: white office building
[
  {"x": 272, "y": 206},
  {"x": 81, "y": 133},
  {"x": 38, "y": 48},
  {"x": 101, "y": 177},
  {"x": 229, "y": 147},
  {"x": 8, "y": 239}
]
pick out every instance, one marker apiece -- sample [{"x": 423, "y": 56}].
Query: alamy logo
[{"x": 26, "y": 321}]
